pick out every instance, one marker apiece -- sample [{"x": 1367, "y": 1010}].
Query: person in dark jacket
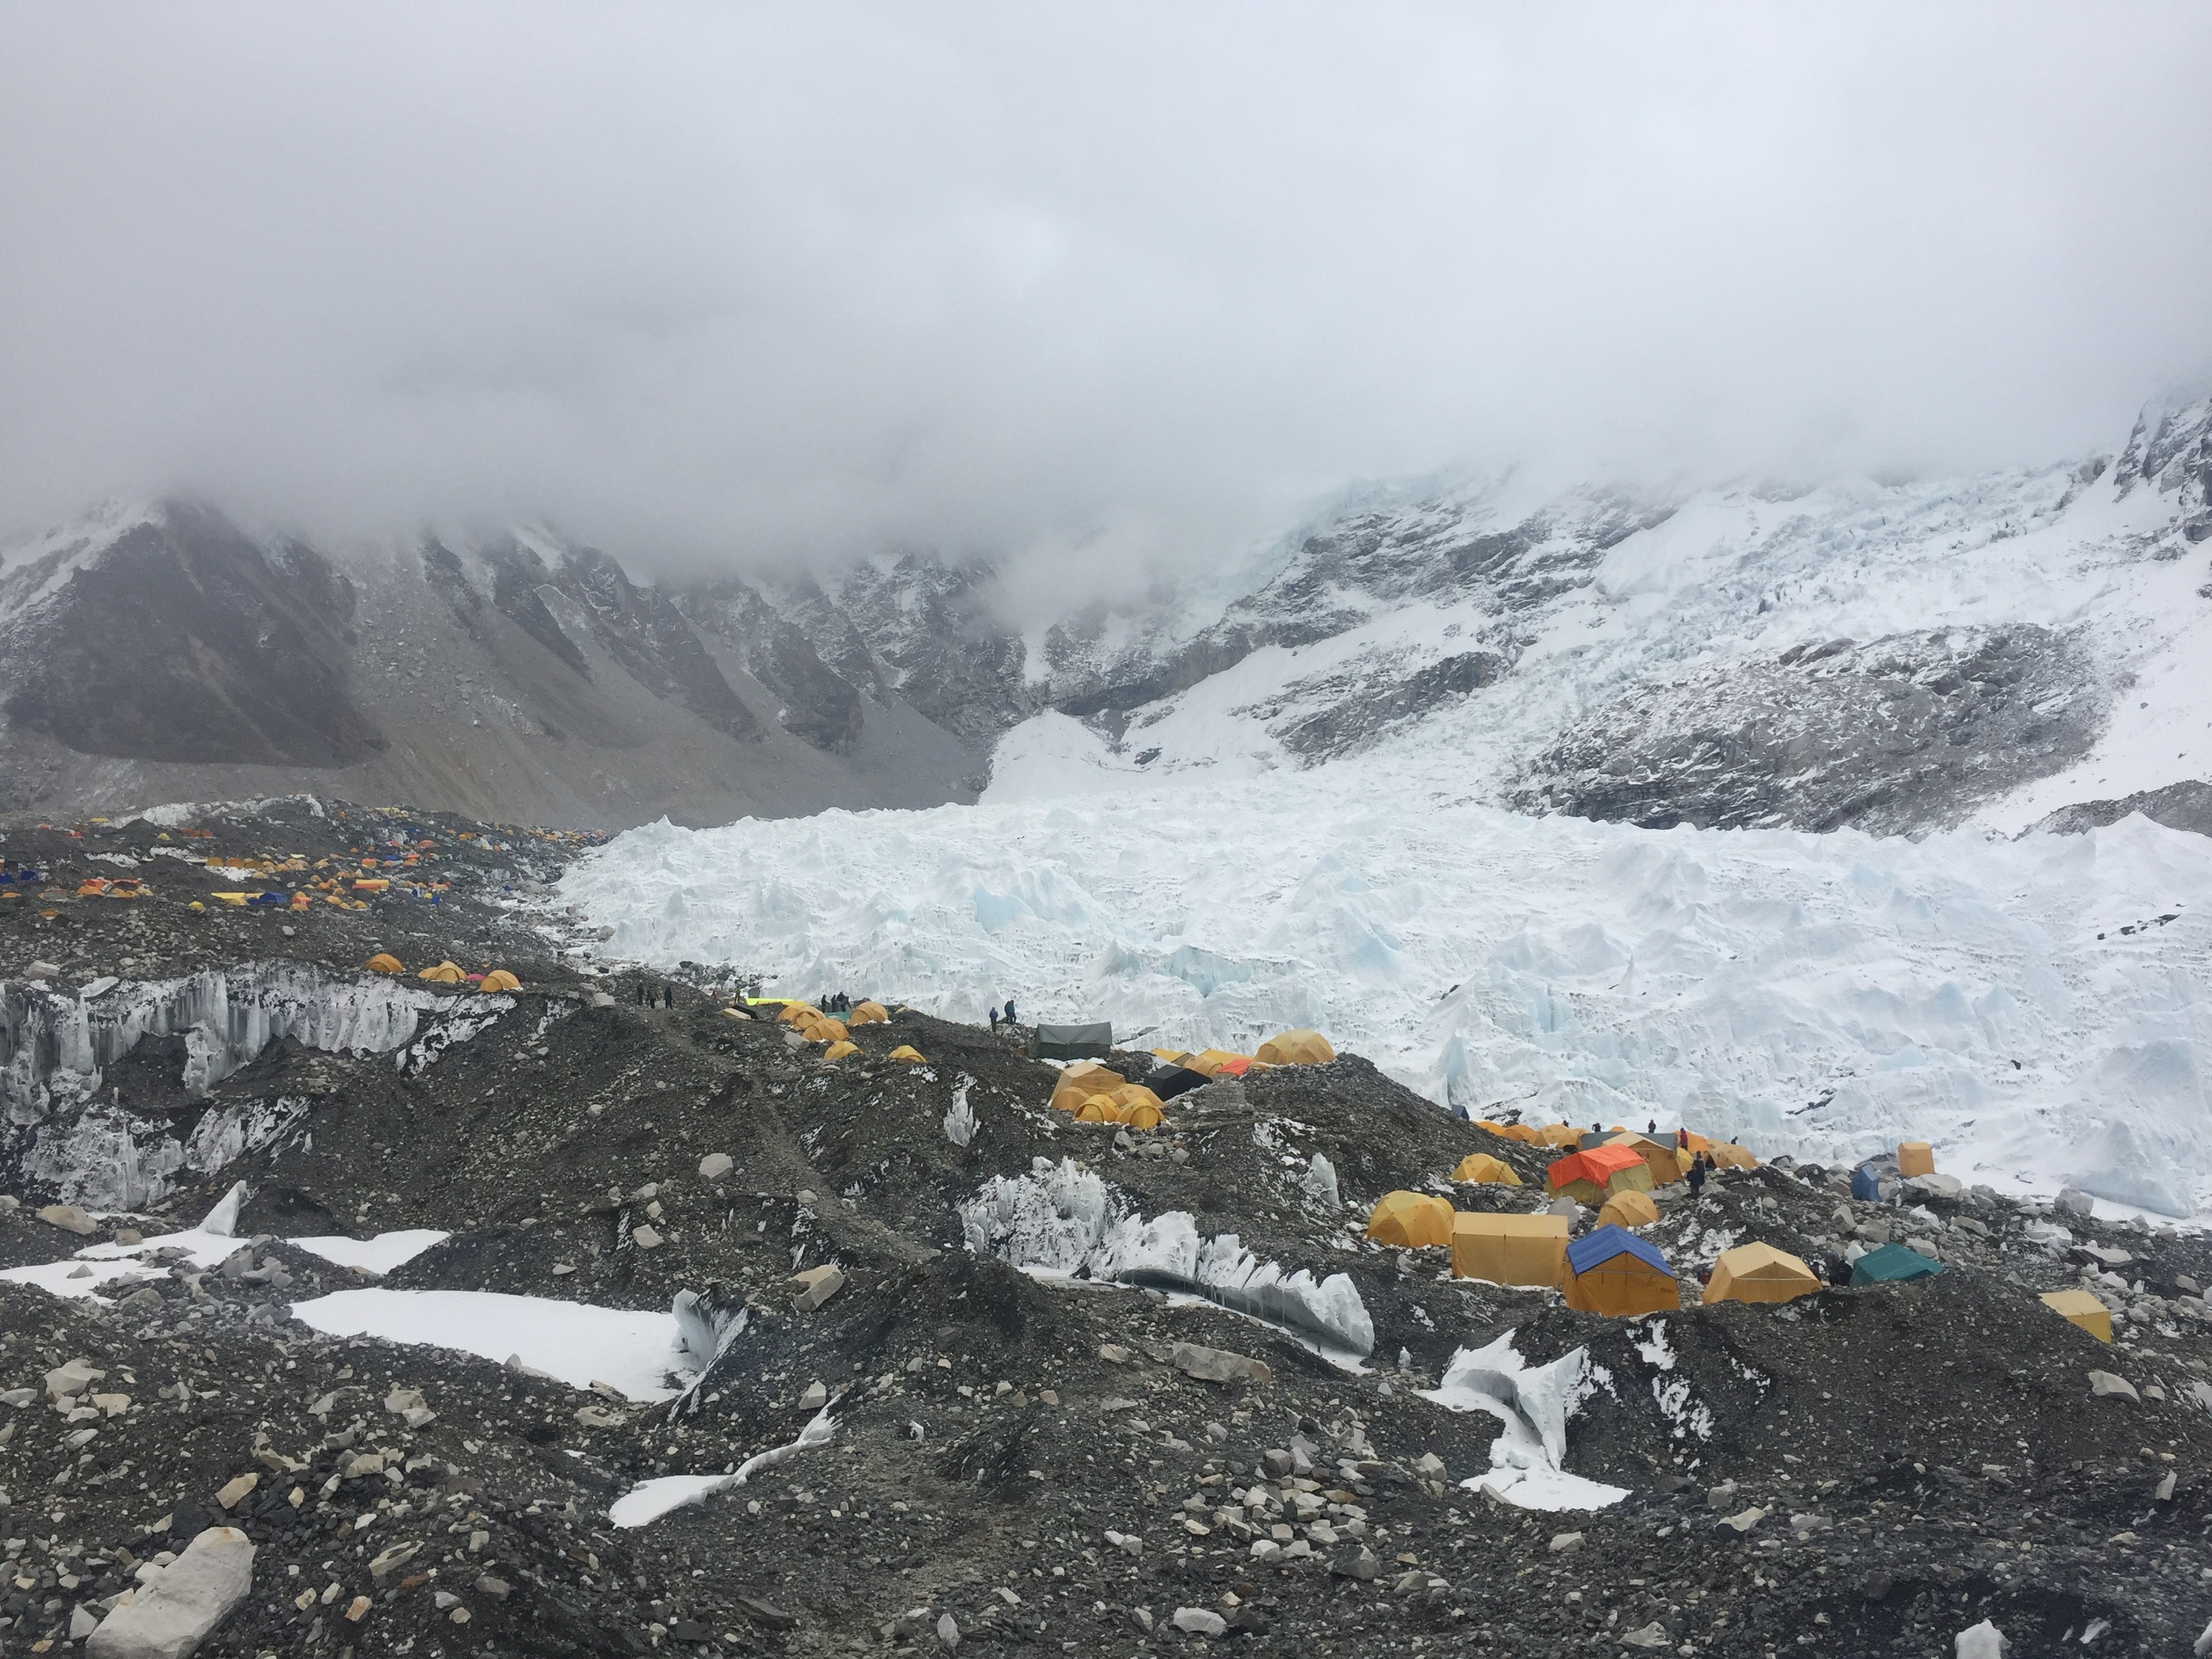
[
  {"x": 994, "y": 1019},
  {"x": 1011, "y": 1020},
  {"x": 1698, "y": 1175}
]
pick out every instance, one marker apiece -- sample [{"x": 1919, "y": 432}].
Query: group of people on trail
[
  {"x": 1005, "y": 1019},
  {"x": 647, "y": 997},
  {"x": 837, "y": 1003}
]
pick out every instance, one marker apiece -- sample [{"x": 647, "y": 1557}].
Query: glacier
[{"x": 2036, "y": 1008}]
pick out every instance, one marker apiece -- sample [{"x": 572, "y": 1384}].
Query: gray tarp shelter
[{"x": 1072, "y": 1042}]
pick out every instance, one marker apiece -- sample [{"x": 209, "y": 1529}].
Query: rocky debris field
[{"x": 1047, "y": 1404}]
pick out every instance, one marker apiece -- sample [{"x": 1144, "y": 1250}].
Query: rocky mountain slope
[
  {"x": 474, "y": 1359},
  {"x": 1888, "y": 657}
]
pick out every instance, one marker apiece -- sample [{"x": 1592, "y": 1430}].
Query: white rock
[
  {"x": 1200, "y": 1621},
  {"x": 1653, "y": 1635},
  {"x": 1564, "y": 1542},
  {"x": 948, "y": 1630},
  {"x": 715, "y": 1165},
  {"x": 174, "y": 1613},
  {"x": 2103, "y": 1383},
  {"x": 815, "y": 1398},
  {"x": 1982, "y": 1641},
  {"x": 67, "y": 1217},
  {"x": 645, "y": 1238},
  {"x": 1745, "y": 1520}
]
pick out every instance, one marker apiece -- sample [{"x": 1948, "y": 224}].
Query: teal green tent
[{"x": 1893, "y": 1264}]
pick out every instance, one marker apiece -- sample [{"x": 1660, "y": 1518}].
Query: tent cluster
[
  {"x": 1298, "y": 1048},
  {"x": 446, "y": 973},
  {"x": 1091, "y": 1093},
  {"x": 1667, "y": 1159}
]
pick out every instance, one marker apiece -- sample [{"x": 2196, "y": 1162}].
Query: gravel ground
[{"x": 1018, "y": 1465}]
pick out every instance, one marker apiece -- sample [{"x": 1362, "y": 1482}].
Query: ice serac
[
  {"x": 56, "y": 1049},
  {"x": 1535, "y": 1404},
  {"x": 171, "y": 1615},
  {"x": 1063, "y": 1219}
]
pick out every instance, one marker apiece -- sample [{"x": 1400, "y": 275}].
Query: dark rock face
[
  {"x": 2173, "y": 451},
  {"x": 188, "y": 642},
  {"x": 2178, "y": 806},
  {"x": 1907, "y": 732},
  {"x": 931, "y": 625},
  {"x": 644, "y": 631},
  {"x": 1369, "y": 708},
  {"x": 819, "y": 706}
]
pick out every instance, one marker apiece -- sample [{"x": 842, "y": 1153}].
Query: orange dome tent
[
  {"x": 445, "y": 973},
  {"x": 1411, "y": 1220},
  {"x": 868, "y": 1013},
  {"x": 385, "y": 963},
  {"x": 500, "y": 979}
]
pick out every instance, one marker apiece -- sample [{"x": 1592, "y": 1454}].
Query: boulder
[
  {"x": 1653, "y": 1636},
  {"x": 1219, "y": 1365},
  {"x": 2105, "y": 1383},
  {"x": 67, "y": 1217},
  {"x": 174, "y": 1612},
  {"x": 2071, "y": 1201},
  {"x": 816, "y": 1286},
  {"x": 1200, "y": 1621},
  {"x": 715, "y": 1165},
  {"x": 1982, "y": 1641}
]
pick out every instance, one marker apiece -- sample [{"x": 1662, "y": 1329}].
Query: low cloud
[{"x": 1101, "y": 292}]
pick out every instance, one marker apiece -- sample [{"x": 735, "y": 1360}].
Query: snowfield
[{"x": 2037, "y": 1008}]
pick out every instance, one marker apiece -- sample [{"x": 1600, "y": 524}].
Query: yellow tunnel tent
[
  {"x": 1410, "y": 1219},
  {"x": 1759, "y": 1272},
  {"x": 1510, "y": 1249},
  {"x": 1489, "y": 1171}
]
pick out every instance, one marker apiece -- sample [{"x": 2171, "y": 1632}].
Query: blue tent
[
  {"x": 1603, "y": 1243},
  {"x": 1866, "y": 1185}
]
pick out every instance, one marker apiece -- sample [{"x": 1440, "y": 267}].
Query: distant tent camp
[
  {"x": 1866, "y": 1185},
  {"x": 1510, "y": 1249},
  {"x": 1074, "y": 1042},
  {"x": 1592, "y": 1176},
  {"x": 1893, "y": 1264},
  {"x": 1630, "y": 1209},
  {"x": 826, "y": 1029},
  {"x": 1299, "y": 1047},
  {"x": 445, "y": 973},
  {"x": 1410, "y": 1219},
  {"x": 867, "y": 1013},
  {"x": 1759, "y": 1272},
  {"x": 793, "y": 1013},
  {"x": 2080, "y": 1308},
  {"x": 1488, "y": 1170},
  {"x": 1614, "y": 1272},
  {"x": 1175, "y": 1080},
  {"x": 384, "y": 962},
  {"x": 1915, "y": 1158},
  {"x": 1217, "y": 1062},
  {"x": 500, "y": 979}
]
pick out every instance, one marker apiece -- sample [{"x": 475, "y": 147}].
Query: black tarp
[
  {"x": 1072, "y": 1042},
  {"x": 1175, "y": 1080}
]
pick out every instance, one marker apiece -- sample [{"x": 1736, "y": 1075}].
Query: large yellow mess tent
[
  {"x": 1629, "y": 1209},
  {"x": 1488, "y": 1170},
  {"x": 2080, "y": 1308},
  {"x": 1510, "y": 1249},
  {"x": 1759, "y": 1272},
  {"x": 1410, "y": 1219},
  {"x": 1299, "y": 1047}
]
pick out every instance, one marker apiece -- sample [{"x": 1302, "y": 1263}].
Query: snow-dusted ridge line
[{"x": 1064, "y": 1221}]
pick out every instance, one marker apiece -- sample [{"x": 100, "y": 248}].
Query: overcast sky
[{"x": 1136, "y": 280}]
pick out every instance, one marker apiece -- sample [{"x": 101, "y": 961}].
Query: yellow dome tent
[
  {"x": 445, "y": 973},
  {"x": 1915, "y": 1157},
  {"x": 500, "y": 979},
  {"x": 1208, "y": 1061},
  {"x": 826, "y": 1029},
  {"x": 1132, "y": 1095},
  {"x": 907, "y": 1054},
  {"x": 1560, "y": 1134},
  {"x": 1298, "y": 1048},
  {"x": 1488, "y": 1170},
  {"x": 384, "y": 962},
  {"x": 1729, "y": 1156},
  {"x": 1099, "y": 1109},
  {"x": 1141, "y": 1115},
  {"x": 1629, "y": 1209},
  {"x": 839, "y": 1050},
  {"x": 868, "y": 1013},
  {"x": 1510, "y": 1249},
  {"x": 1410, "y": 1219},
  {"x": 2080, "y": 1308},
  {"x": 1082, "y": 1080},
  {"x": 1759, "y": 1272},
  {"x": 793, "y": 1013}
]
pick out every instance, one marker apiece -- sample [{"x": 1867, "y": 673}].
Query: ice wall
[{"x": 57, "y": 1130}]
